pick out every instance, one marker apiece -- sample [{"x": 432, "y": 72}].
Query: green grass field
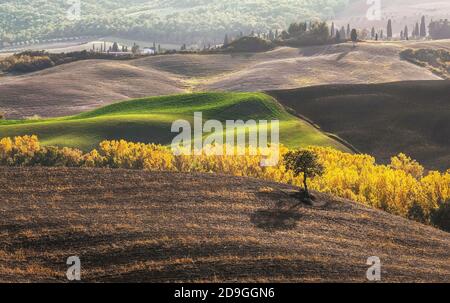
[{"x": 149, "y": 120}]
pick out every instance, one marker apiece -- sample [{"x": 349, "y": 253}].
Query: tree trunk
[{"x": 305, "y": 185}]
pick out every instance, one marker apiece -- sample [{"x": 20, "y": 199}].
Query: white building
[{"x": 148, "y": 51}]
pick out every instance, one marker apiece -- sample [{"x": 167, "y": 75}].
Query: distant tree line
[
  {"x": 306, "y": 33},
  {"x": 440, "y": 29},
  {"x": 419, "y": 30},
  {"x": 319, "y": 33},
  {"x": 297, "y": 34},
  {"x": 30, "y": 61}
]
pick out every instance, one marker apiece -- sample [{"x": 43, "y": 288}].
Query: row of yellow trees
[{"x": 400, "y": 188}]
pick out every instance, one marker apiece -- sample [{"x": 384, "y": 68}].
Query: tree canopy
[{"x": 163, "y": 20}]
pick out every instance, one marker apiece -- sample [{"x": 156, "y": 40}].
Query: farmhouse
[{"x": 148, "y": 51}]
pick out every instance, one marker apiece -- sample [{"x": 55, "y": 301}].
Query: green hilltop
[{"x": 149, "y": 120}]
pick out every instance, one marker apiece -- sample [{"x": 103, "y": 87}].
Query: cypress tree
[
  {"x": 338, "y": 37},
  {"x": 354, "y": 36},
  {"x": 389, "y": 29},
  {"x": 423, "y": 28},
  {"x": 226, "y": 41},
  {"x": 343, "y": 33},
  {"x": 115, "y": 47}
]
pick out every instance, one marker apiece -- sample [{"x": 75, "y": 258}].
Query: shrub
[
  {"x": 30, "y": 61},
  {"x": 23, "y": 63},
  {"x": 54, "y": 156},
  {"x": 31, "y": 64},
  {"x": 441, "y": 217},
  {"x": 249, "y": 44},
  {"x": 26, "y": 151},
  {"x": 6, "y": 146},
  {"x": 94, "y": 159},
  {"x": 23, "y": 151},
  {"x": 317, "y": 33},
  {"x": 408, "y": 165},
  {"x": 123, "y": 154},
  {"x": 417, "y": 213},
  {"x": 437, "y": 60}
]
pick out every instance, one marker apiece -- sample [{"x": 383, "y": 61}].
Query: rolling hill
[
  {"x": 76, "y": 87},
  {"x": 286, "y": 67},
  {"x": 149, "y": 120},
  {"x": 137, "y": 226},
  {"x": 382, "y": 119}
]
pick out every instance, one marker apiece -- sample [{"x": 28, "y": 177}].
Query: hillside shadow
[
  {"x": 310, "y": 51},
  {"x": 275, "y": 219},
  {"x": 242, "y": 55},
  {"x": 342, "y": 55},
  {"x": 283, "y": 215}
]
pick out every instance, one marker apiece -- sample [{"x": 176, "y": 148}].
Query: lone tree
[
  {"x": 2, "y": 115},
  {"x": 303, "y": 162},
  {"x": 354, "y": 37}
]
